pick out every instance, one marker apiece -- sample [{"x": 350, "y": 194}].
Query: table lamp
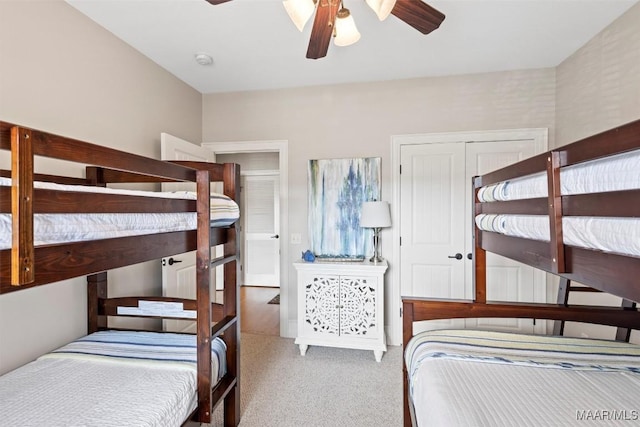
[{"x": 375, "y": 215}]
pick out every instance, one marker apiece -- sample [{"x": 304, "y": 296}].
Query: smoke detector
[{"x": 204, "y": 59}]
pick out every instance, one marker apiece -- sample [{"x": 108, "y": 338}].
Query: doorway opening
[{"x": 264, "y": 271}]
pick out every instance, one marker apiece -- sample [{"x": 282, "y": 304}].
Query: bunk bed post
[
  {"x": 407, "y": 333},
  {"x": 96, "y": 291},
  {"x": 231, "y": 306},
  {"x": 203, "y": 295},
  {"x": 479, "y": 255},
  {"x": 96, "y": 283},
  {"x": 624, "y": 334},
  {"x": 22, "y": 252},
  {"x": 555, "y": 213},
  {"x": 95, "y": 176},
  {"x": 563, "y": 298}
]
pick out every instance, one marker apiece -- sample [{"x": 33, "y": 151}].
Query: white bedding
[
  {"x": 616, "y": 235},
  {"x": 59, "y": 228},
  {"x": 108, "y": 379},
  {"x": 475, "y": 378},
  {"x": 614, "y": 173}
]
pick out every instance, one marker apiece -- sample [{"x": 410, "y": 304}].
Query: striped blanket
[
  {"x": 108, "y": 379},
  {"x": 168, "y": 349},
  {"x": 480, "y": 378}
]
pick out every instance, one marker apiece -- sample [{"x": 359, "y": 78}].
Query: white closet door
[
  {"x": 436, "y": 226},
  {"x": 261, "y": 197},
  {"x": 432, "y": 217}
]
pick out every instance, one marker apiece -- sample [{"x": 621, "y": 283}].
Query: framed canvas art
[{"x": 337, "y": 188}]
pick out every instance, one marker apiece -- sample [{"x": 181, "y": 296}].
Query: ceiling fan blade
[
  {"x": 322, "y": 29},
  {"x": 419, "y": 15},
  {"x": 214, "y": 2}
]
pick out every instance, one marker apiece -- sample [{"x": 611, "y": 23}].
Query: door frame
[
  {"x": 539, "y": 137},
  {"x": 282, "y": 148}
]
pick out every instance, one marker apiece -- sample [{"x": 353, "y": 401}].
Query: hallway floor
[{"x": 256, "y": 315}]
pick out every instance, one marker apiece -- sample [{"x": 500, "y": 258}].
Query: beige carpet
[{"x": 327, "y": 387}]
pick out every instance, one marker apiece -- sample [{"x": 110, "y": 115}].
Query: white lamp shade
[
  {"x": 346, "y": 31},
  {"x": 382, "y": 8},
  {"x": 375, "y": 215},
  {"x": 299, "y": 11}
]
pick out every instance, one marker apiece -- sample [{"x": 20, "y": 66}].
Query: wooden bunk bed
[
  {"x": 563, "y": 194},
  {"x": 26, "y": 264}
]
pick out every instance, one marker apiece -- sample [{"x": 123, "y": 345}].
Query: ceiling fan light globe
[
  {"x": 382, "y": 8},
  {"x": 346, "y": 31},
  {"x": 299, "y": 11}
]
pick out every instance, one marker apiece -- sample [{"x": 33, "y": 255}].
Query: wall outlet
[{"x": 296, "y": 238}]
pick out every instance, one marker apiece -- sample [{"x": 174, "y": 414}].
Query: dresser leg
[
  {"x": 378, "y": 355},
  {"x": 303, "y": 349}
]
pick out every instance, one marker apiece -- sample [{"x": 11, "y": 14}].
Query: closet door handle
[
  {"x": 276, "y": 236},
  {"x": 171, "y": 261},
  {"x": 457, "y": 256},
  {"x": 469, "y": 256}
]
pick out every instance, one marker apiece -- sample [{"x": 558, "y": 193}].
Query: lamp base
[{"x": 376, "y": 259}]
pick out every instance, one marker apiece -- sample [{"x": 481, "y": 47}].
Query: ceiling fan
[{"x": 333, "y": 19}]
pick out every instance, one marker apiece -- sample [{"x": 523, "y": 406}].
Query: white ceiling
[{"x": 255, "y": 46}]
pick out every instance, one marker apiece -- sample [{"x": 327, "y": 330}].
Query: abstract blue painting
[{"x": 337, "y": 188}]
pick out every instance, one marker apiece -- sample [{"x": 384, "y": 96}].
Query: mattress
[
  {"x": 478, "y": 378},
  {"x": 615, "y": 235},
  {"x": 614, "y": 173},
  {"x": 60, "y": 228},
  {"x": 109, "y": 379}
]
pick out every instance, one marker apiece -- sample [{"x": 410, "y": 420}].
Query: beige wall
[
  {"x": 599, "y": 85},
  {"x": 358, "y": 120},
  {"x": 598, "y": 89},
  {"x": 62, "y": 73}
]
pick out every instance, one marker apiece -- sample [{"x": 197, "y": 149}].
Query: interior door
[
  {"x": 432, "y": 218},
  {"x": 436, "y": 226},
  {"x": 261, "y": 202},
  {"x": 179, "y": 271}
]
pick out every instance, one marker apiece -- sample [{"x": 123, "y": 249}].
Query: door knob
[
  {"x": 469, "y": 256},
  {"x": 275, "y": 237},
  {"x": 171, "y": 261},
  {"x": 457, "y": 256}
]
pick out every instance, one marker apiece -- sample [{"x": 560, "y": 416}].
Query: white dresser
[{"x": 341, "y": 304}]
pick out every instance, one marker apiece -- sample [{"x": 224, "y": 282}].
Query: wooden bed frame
[
  {"x": 606, "y": 272},
  {"x": 25, "y": 266}
]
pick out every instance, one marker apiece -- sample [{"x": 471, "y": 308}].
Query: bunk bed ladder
[{"x": 565, "y": 287}]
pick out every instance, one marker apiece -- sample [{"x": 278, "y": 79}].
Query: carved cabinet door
[
  {"x": 341, "y": 305},
  {"x": 358, "y": 306},
  {"x": 322, "y": 304}
]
